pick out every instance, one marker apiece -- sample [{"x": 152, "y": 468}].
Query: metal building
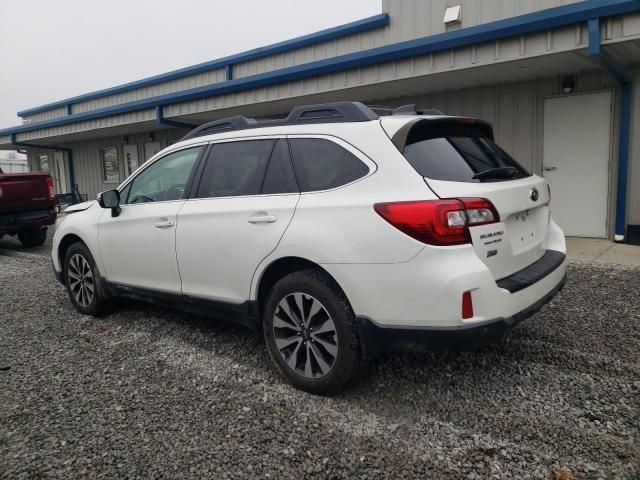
[{"x": 557, "y": 78}]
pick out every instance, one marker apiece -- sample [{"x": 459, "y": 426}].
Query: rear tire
[
  {"x": 32, "y": 238},
  {"x": 83, "y": 281},
  {"x": 310, "y": 333}
]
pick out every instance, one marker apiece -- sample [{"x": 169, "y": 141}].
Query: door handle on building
[
  {"x": 164, "y": 224},
  {"x": 549, "y": 168},
  {"x": 262, "y": 219}
]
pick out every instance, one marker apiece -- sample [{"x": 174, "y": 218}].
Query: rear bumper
[
  {"x": 14, "y": 222},
  {"x": 376, "y": 339}
]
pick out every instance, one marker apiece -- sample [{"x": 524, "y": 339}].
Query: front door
[
  {"x": 59, "y": 173},
  {"x": 130, "y": 154},
  {"x": 577, "y": 149},
  {"x": 138, "y": 247}
]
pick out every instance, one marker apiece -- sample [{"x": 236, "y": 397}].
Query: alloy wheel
[
  {"x": 81, "y": 282},
  {"x": 305, "y": 335}
]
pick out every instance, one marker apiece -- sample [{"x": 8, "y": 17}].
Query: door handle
[
  {"x": 549, "y": 168},
  {"x": 262, "y": 219},
  {"x": 164, "y": 224}
]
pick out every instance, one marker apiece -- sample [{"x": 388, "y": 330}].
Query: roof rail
[{"x": 336, "y": 112}]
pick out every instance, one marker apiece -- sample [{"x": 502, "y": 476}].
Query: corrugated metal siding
[
  {"x": 5, "y": 139},
  {"x": 48, "y": 115},
  {"x": 320, "y": 51},
  {"x": 419, "y": 18},
  {"x": 124, "y": 119},
  {"x": 87, "y": 161},
  {"x": 31, "y": 161},
  {"x": 534, "y": 45},
  {"x": 186, "y": 83}
]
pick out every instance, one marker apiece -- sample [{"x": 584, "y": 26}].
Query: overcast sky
[{"x": 54, "y": 49}]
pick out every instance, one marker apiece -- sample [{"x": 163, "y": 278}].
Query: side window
[
  {"x": 280, "y": 177},
  {"x": 322, "y": 164},
  {"x": 166, "y": 179},
  {"x": 235, "y": 168}
]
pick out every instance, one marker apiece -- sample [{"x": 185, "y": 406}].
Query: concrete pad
[
  {"x": 602, "y": 251},
  {"x": 621, "y": 254},
  {"x": 586, "y": 249}
]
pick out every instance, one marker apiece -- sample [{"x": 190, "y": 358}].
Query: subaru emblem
[{"x": 534, "y": 195}]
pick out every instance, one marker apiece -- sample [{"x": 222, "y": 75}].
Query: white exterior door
[
  {"x": 130, "y": 154},
  {"x": 59, "y": 173},
  {"x": 577, "y": 150}
]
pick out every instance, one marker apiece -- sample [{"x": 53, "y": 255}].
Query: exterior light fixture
[{"x": 452, "y": 15}]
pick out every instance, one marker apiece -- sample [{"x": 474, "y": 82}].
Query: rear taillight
[
  {"x": 439, "y": 222},
  {"x": 50, "y": 188}
]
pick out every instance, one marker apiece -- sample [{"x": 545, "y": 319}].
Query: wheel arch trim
[{"x": 288, "y": 264}]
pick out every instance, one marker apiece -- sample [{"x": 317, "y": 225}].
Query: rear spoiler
[{"x": 399, "y": 139}]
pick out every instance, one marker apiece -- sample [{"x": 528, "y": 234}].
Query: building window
[
  {"x": 43, "y": 163},
  {"x": 110, "y": 165}
]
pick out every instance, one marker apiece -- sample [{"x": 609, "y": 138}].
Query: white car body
[{"x": 209, "y": 249}]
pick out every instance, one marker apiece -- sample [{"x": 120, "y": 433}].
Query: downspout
[
  {"x": 72, "y": 177},
  {"x": 160, "y": 120},
  {"x": 625, "y": 81}
]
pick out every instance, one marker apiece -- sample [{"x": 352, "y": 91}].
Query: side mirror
[{"x": 110, "y": 199}]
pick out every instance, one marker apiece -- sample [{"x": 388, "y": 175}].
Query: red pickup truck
[{"x": 27, "y": 206}]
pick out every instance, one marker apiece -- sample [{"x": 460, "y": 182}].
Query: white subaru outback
[{"x": 337, "y": 232}]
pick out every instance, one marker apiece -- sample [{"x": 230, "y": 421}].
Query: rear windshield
[{"x": 459, "y": 152}]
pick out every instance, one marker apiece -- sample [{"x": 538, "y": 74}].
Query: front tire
[
  {"x": 32, "y": 238},
  {"x": 310, "y": 333},
  {"x": 83, "y": 281}
]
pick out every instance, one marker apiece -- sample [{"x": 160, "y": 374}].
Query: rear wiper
[{"x": 498, "y": 172}]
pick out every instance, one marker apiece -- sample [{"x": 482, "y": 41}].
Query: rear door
[
  {"x": 458, "y": 158},
  {"x": 246, "y": 198}
]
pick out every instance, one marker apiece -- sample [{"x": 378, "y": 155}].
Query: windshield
[{"x": 459, "y": 152}]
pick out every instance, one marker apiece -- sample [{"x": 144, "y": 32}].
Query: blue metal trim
[
  {"x": 160, "y": 120},
  {"x": 625, "y": 80},
  {"x": 229, "y": 72},
  {"x": 369, "y": 23},
  {"x": 69, "y": 109},
  {"x": 523, "y": 24},
  {"x": 72, "y": 176}
]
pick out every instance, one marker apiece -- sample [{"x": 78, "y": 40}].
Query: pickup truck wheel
[
  {"x": 33, "y": 238},
  {"x": 310, "y": 333},
  {"x": 83, "y": 281}
]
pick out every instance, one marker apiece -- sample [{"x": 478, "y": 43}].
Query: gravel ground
[{"x": 146, "y": 392}]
